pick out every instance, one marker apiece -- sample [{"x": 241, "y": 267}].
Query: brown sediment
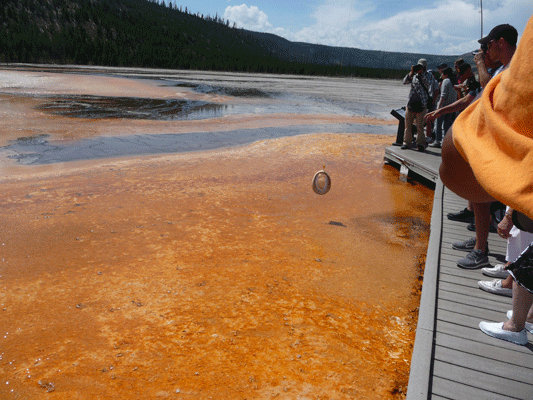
[{"x": 217, "y": 274}]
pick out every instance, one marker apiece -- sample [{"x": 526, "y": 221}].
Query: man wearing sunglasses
[{"x": 499, "y": 45}]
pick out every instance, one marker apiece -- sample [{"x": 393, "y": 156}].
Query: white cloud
[
  {"x": 340, "y": 13},
  {"x": 449, "y": 27},
  {"x": 442, "y": 29},
  {"x": 431, "y": 30},
  {"x": 250, "y": 18}
]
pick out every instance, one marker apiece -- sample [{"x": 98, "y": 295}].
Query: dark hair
[
  {"x": 463, "y": 68},
  {"x": 459, "y": 62},
  {"x": 447, "y": 71}
]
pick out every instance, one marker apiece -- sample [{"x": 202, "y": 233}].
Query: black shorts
[{"x": 522, "y": 269}]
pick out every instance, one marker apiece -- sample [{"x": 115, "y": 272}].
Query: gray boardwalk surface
[
  {"x": 424, "y": 164},
  {"x": 452, "y": 358}
]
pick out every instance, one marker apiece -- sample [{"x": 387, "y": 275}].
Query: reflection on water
[
  {"x": 38, "y": 150},
  {"x": 233, "y": 91},
  {"x": 86, "y": 106},
  {"x": 226, "y": 90},
  {"x": 30, "y": 140}
]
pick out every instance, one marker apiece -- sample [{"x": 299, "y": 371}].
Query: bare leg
[
  {"x": 482, "y": 220},
  {"x": 522, "y": 302},
  {"x": 457, "y": 175},
  {"x": 507, "y": 283},
  {"x": 429, "y": 129}
]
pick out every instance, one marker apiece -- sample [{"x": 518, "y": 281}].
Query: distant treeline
[{"x": 142, "y": 33}]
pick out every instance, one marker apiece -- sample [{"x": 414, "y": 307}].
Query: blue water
[{"x": 38, "y": 150}]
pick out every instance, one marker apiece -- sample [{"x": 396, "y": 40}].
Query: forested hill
[{"x": 143, "y": 33}]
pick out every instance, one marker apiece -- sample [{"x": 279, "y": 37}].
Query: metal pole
[{"x": 481, "y": 1}]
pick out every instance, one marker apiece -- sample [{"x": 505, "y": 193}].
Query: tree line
[
  {"x": 146, "y": 33},
  {"x": 174, "y": 6}
]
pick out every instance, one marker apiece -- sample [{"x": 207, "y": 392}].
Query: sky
[{"x": 446, "y": 27}]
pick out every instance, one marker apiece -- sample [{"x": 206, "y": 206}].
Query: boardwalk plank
[
  {"x": 521, "y": 358},
  {"x": 471, "y": 294},
  {"x": 470, "y": 304},
  {"x": 480, "y": 363},
  {"x": 473, "y": 333},
  {"x": 453, "y": 390}
]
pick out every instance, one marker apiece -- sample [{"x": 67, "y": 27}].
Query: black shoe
[
  {"x": 462, "y": 216},
  {"x": 474, "y": 260},
  {"x": 468, "y": 245},
  {"x": 407, "y": 146},
  {"x": 472, "y": 227}
]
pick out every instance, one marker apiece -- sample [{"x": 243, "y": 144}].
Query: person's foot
[
  {"x": 462, "y": 216},
  {"x": 422, "y": 147},
  {"x": 472, "y": 227},
  {"x": 467, "y": 245},
  {"x": 408, "y": 146},
  {"x": 436, "y": 144},
  {"x": 474, "y": 260},
  {"x": 498, "y": 271},
  {"x": 495, "y": 286},
  {"x": 495, "y": 329},
  {"x": 529, "y": 325}
]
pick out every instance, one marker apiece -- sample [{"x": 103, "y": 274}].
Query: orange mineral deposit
[{"x": 216, "y": 274}]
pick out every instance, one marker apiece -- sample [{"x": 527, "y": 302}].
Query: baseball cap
[
  {"x": 442, "y": 66},
  {"x": 505, "y": 31},
  {"x": 423, "y": 62}
]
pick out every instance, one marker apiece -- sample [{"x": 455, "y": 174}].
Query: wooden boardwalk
[{"x": 452, "y": 358}]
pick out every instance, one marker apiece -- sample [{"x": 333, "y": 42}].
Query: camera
[
  {"x": 483, "y": 49},
  {"x": 417, "y": 68}
]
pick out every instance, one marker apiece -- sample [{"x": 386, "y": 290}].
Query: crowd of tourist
[
  {"x": 485, "y": 128},
  {"x": 438, "y": 98}
]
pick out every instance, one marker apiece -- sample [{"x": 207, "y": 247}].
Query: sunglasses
[{"x": 489, "y": 44}]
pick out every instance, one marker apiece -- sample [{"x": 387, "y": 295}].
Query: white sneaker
[
  {"x": 498, "y": 271},
  {"x": 495, "y": 286},
  {"x": 495, "y": 329},
  {"x": 529, "y": 325}
]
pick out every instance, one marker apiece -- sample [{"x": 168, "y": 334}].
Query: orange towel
[{"x": 495, "y": 133}]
